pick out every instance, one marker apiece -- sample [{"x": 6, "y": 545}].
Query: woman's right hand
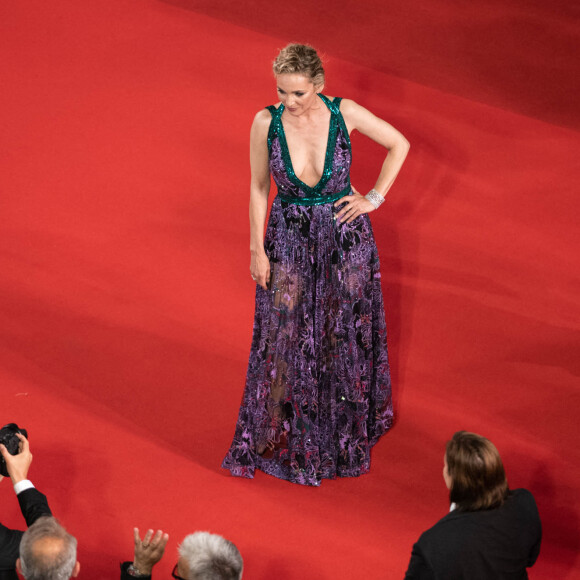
[{"x": 260, "y": 269}]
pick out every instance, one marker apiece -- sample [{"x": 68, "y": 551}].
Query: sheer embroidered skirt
[{"x": 318, "y": 390}]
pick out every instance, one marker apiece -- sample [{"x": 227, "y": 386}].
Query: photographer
[{"x": 33, "y": 505}]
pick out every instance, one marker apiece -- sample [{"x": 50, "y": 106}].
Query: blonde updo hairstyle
[{"x": 300, "y": 59}]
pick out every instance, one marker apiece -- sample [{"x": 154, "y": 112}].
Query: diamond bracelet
[{"x": 375, "y": 198}]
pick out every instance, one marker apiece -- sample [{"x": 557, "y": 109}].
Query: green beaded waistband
[{"x": 314, "y": 199}]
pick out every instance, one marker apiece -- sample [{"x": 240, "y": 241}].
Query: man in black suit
[
  {"x": 33, "y": 505},
  {"x": 491, "y": 532},
  {"x": 484, "y": 544}
]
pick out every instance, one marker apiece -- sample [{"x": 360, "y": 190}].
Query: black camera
[{"x": 11, "y": 442}]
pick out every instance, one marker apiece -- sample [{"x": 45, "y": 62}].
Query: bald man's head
[{"x": 48, "y": 552}]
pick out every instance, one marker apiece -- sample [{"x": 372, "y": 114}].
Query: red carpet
[{"x": 126, "y": 304}]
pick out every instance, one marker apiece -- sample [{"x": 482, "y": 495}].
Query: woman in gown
[{"x": 318, "y": 389}]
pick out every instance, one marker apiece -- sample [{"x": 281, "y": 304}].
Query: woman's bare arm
[
  {"x": 359, "y": 118},
  {"x": 259, "y": 190}
]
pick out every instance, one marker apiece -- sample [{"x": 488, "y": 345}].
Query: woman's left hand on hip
[{"x": 356, "y": 205}]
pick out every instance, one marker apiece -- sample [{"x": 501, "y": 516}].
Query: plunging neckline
[{"x": 328, "y": 157}]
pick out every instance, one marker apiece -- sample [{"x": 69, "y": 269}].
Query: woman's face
[
  {"x": 297, "y": 93},
  {"x": 446, "y": 476}
]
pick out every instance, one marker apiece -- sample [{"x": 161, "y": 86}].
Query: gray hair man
[
  {"x": 202, "y": 556},
  {"x": 205, "y": 556},
  {"x": 48, "y": 552}
]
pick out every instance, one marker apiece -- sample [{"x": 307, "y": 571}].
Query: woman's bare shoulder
[
  {"x": 262, "y": 116},
  {"x": 348, "y": 105},
  {"x": 262, "y": 119},
  {"x": 261, "y": 124},
  {"x": 355, "y": 114}
]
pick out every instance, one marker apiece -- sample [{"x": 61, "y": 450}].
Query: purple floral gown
[{"x": 318, "y": 389}]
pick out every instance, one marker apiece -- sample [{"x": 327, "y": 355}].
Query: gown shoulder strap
[
  {"x": 273, "y": 130},
  {"x": 333, "y": 105}
]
